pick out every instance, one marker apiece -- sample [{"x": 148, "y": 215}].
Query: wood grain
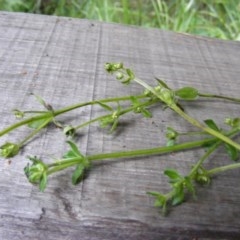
[{"x": 62, "y": 59}]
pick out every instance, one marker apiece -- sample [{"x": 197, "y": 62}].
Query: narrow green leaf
[
  {"x": 69, "y": 154},
  {"x": 189, "y": 185},
  {"x": 172, "y": 174},
  {"x": 77, "y": 175},
  {"x": 187, "y": 93},
  {"x": 74, "y": 149},
  {"x": 114, "y": 126},
  {"x": 178, "y": 199},
  {"x": 39, "y": 123},
  {"x": 171, "y": 142},
  {"x": 42, "y": 102},
  {"x": 105, "y": 106},
  {"x": 161, "y": 200},
  {"x": 179, "y": 195},
  {"x": 232, "y": 152},
  {"x": 210, "y": 123},
  {"x": 146, "y": 113},
  {"x": 162, "y": 83},
  {"x": 43, "y": 182},
  {"x": 154, "y": 193}
]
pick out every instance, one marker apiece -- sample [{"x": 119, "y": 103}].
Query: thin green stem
[
  {"x": 25, "y": 121},
  {"x": 204, "y": 128},
  {"x": 63, "y": 165},
  {"x": 204, "y": 157},
  {"x": 231, "y": 134},
  {"x": 219, "y": 97},
  {"x": 122, "y": 112},
  {"x": 170, "y": 102},
  {"x": 63, "y": 110},
  {"x": 223, "y": 168},
  {"x": 151, "y": 151},
  {"x": 106, "y": 100},
  {"x": 34, "y": 132}
]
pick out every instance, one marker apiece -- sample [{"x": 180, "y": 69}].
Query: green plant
[{"x": 212, "y": 136}]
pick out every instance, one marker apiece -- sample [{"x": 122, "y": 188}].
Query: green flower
[
  {"x": 9, "y": 149},
  {"x": 113, "y": 67},
  {"x": 37, "y": 173}
]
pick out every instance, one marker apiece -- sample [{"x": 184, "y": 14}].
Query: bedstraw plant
[{"x": 212, "y": 137}]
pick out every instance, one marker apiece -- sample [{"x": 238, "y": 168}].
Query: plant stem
[
  {"x": 106, "y": 100},
  {"x": 61, "y": 111},
  {"x": 34, "y": 132},
  {"x": 25, "y": 121},
  {"x": 232, "y": 133},
  {"x": 65, "y": 163},
  {"x": 188, "y": 118},
  {"x": 223, "y": 168},
  {"x": 219, "y": 97},
  {"x": 204, "y": 157},
  {"x": 61, "y": 165},
  {"x": 151, "y": 151},
  {"x": 204, "y": 128},
  {"x": 122, "y": 112}
]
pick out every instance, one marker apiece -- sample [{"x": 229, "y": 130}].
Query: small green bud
[
  {"x": 37, "y": 173},
  {"x": 233, "y": 122},
  {"x": 119, "y": 76},
  {"x": 166, "y": 96},
  {"x": 113, "y": 67},
  {"x": 18, "y": 113},
  {"x": 69, "y": 131},
  {"x": 202, "y": 176},
  {"x": 171, "y": 133},
  {"x": 118, "y": 66},
  {"x": 8, "y": 150}
]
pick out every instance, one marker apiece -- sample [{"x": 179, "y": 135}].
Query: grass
[{"x": 219, "y": 18}]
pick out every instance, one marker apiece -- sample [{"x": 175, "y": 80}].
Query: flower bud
[
  {"x": 166, "y": 96},
  {"x": 119, "y": 76},
  {"x": 69, "y": 131},
  {"x": 8, "y": 150},
  {"x": 36, "y": 171}
]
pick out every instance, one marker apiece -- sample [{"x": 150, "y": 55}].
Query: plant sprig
[{"x": 212, "y": 136}]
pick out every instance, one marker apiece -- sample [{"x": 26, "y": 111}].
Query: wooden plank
[{"x": 61, "y": 59}]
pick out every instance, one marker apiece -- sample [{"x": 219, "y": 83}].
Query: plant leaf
[
  {"x": 42, "y": 102},
  {"x": 187, "y": 93},
  {"x": 160, "y": 201},
  {"x": 105, "y": 106},
  {"x": 74, "y": 149},
  {"x": 162, "y": 83},
  {"x": 178, "y": 197},
  {"x": 171, "y": 142},
  {"x": 40, "y": 123},
  {"x": 146, "y": 113},
  {"x": 189, "y": 185},
  {"x": 210, "y": 123},
  {"x": 232, "y": 152},
  {"x": 173, "y": 175},
  {"x": 43, "y": 182},
  {"x": 77, "y": 175}
]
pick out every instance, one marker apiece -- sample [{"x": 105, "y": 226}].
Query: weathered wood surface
[{"x": 62, "y": 60}]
